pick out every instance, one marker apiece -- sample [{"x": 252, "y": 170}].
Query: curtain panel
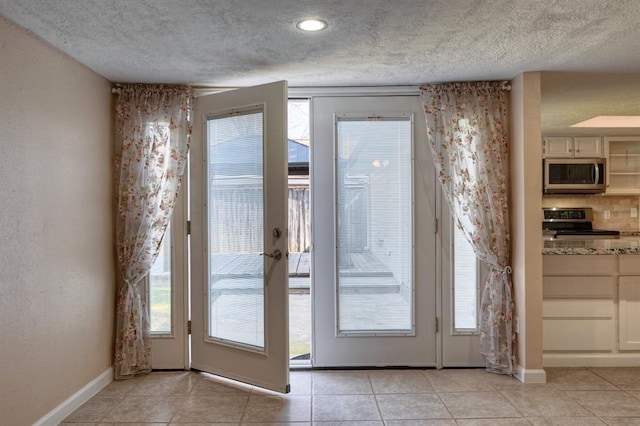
[
  {"x": 467, "y": 130},
  {"x": 152, "y": 140}
]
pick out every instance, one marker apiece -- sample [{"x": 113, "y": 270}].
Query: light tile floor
[{"x": 571, "y": 396}]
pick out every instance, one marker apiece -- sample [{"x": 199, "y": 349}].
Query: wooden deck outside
[
  {"x": 232, "y": 265},
  {"x": 364, "y": 264},
  {"x": 366, "y": 274}
]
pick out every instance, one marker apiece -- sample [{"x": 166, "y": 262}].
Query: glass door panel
[
  {"x": 160, "y": 289},
  {"x": 465, "y": 284},
  {"x": 236, "y": 224},
  {"x": 374, "y": 233}
]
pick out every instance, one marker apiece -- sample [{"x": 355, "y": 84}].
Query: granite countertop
[{"x": 625, "y": 245}]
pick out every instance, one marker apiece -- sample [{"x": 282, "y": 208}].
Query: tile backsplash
[{"x": 619, "y": 208}]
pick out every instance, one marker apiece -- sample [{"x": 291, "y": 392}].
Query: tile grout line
[
  {"x": 439, "y": 398},
  {"x": 375, "y": 398},
  {"x": 124, "y": 398},
  {"x": 199, "y": 376},
  {"x": 312, "y": 393}
]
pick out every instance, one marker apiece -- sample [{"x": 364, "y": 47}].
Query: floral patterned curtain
[
  {"x": 467, "y": 129},
  {"x": 152, "y": 136}
]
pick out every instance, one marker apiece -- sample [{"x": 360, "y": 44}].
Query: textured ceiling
[
  {"x": 231, "y": 43},
  {"x": 368, "y": 42}
]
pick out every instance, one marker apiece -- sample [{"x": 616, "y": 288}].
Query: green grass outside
[{"x": 160, "y": 309}]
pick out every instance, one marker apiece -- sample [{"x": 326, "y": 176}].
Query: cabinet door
[
  {"x": 623, "y": 164},
  {"x": 558, "y": 147},
  {"x": 587, "y": 146},
  {"x": 629, "y": 305}
]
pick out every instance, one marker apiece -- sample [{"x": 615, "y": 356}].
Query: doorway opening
[{"x": 299, "y": 243}]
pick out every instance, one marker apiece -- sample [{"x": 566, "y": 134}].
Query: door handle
[{"x": 277, "y": 254}]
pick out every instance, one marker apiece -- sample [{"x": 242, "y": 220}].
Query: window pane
[
  {"x": 374, "y": 216},
  {"x": 465, "y": 284},
  {"x": 235, "y": 218},
  {"x": 160, "y": 288}
]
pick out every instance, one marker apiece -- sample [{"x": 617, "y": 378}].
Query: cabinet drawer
[
  {"x": 629, "y": 264},
  {"x": 594, "y": 265},
  {"x": 578, "y": 335},
  {"x": 578, "y": 287},
  {"x": 578, "y": 309}
]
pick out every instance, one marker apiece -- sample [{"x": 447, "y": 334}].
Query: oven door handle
[{"x": 597, "y": 172}]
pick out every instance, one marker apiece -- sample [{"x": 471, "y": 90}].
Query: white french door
[
  {"x": 381, "y": 274},
  {"x": 374, "y": 247},
  {"x": 239, "y": 289}
]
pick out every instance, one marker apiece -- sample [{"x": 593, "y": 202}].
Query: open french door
[{"x": 239, "y": 293}]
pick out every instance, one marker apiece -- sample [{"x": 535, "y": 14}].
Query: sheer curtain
[
  {"x": 467, "y": 129},
  {"x": 152, "y": 139}
]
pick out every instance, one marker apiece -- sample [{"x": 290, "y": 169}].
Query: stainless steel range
[{"x": 572, "y": 224}]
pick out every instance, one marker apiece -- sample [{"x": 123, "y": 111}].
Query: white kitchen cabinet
[
  {"x": 578, "y": 308},
  {"x": 573, "y": 147},
  {"x": 629, "y": 303},
  {"x": 587, "y": 147},
  {"x": 558, "y": 147},
  {"x": 623, "y": 165},
  {"x": 591, "y": 310}
]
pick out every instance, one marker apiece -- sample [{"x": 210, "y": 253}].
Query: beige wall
[
  {"x": 56, "y": 233},
  {"x": 526, "y": 216}
]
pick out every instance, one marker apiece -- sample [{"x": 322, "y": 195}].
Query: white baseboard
[
  {"x": 76, "y": 400},
  {"x": 530, "y": 375},
  {"x": 591, "y": 360}
]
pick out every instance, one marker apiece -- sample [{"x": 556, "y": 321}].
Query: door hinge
[
  {"x": 188, "y": 227},
  {"x": 189, "y": 327},
  {"x": 437, "y": 326}
]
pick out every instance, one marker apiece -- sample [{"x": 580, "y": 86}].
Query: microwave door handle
[{"x": 597, "y": 172}]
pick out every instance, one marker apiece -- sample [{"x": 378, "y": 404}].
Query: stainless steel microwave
[{"x": 574, "y": 175}]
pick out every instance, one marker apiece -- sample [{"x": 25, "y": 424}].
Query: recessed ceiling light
[
  {"x": 312, "y": 25},
  {"x": 610, "y": 121}
]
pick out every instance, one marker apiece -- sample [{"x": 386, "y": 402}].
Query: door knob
[{"x": 277, "y": 254}]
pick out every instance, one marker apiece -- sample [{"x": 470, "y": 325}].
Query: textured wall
[{"x": 56, "y": 244}]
